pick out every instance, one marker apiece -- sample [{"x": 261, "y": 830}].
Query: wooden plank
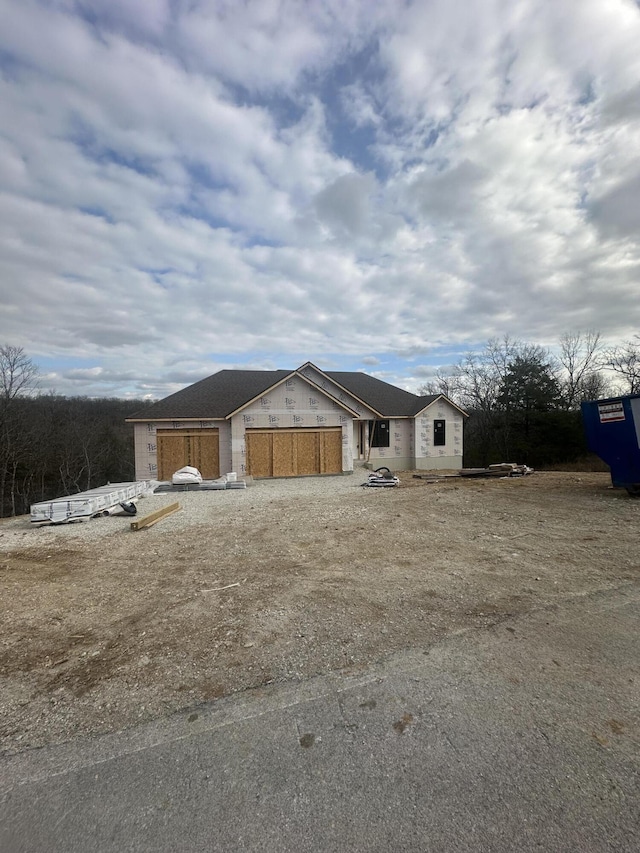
[
  {"x": 331, "y": 452},
  {"x": 171, "y": 454},
  {"x": 184, "y": 432},
  {"x": 307, "y": 452},
  {"x": 204, "y": 453},
  {"x": 284, "y": 464},
  {"x": 259, "y": 453},
  {"x": 153, "y": 517}
]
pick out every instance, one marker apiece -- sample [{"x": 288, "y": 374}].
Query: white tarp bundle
[{"x": 185, "y": 476}]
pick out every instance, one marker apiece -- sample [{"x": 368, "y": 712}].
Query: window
[
  {"x": 379, "y": 432},
  {"x": 439, "y": 434}
]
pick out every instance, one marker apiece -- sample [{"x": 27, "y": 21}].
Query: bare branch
[
  {"x": 17, "y": 372},
  {"x": 580, "y": 357},
  {"x": 625, "y": 361}
]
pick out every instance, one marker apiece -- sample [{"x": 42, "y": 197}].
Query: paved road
[{"x": 520, "y": 738}]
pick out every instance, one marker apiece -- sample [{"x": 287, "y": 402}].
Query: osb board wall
[
  {"x": 146, "y": 445},
  {"x": 196, "y": 447},
  {"x": 293, "y": 403},
  {"x": 293, "y": 452},
  {"x": 258, "y": 456},
  {"x": 170, "y": 453},
  {"x": 331, "y": 453}
]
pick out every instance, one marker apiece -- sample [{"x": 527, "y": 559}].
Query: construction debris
[
  {"x": 186, "y": 475},
  {"x": 105, "y": 500},
  {"x": 500, "y": 469},
  {"x": 381, "y": 478},
  {"x": 227, "y": 481},
  {"x": 220, "y": 588},
  {"x": 155, "y": 517}
]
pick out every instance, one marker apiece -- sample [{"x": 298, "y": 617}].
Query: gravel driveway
[{"x": 104, "y": 628}]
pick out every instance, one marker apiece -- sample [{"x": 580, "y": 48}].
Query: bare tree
[
  {"x": 17, "y": 377},
  {"x": 479, "y": 378},
  {"x": 17, "y": 372},
  {"x": 594, "y": 387},
  {"x": 624, "y": 360},
  {"x": 443, "y": 382},
  {"x": 581, "y": 359}
]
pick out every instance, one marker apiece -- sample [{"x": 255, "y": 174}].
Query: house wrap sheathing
[{"x": 295, "y": 423}]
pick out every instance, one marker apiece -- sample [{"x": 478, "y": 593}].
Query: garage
[
  {"x": 197, "y": 447},
  {"x": 293, "y": 452}
]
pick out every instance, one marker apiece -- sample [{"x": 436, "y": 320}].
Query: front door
[{"x": 360, "y": 439}]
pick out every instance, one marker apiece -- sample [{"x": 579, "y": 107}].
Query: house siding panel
[
  {"x": 449, "y": 455},
  {"x": 399, "y": 454},
  {"x": 292, "y": 404},
  {"x": 344, "y": 397}
]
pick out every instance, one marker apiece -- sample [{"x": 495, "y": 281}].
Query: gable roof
[
  {"x": 389, "y": 400},
  {"x": 213, "y": 398},
  {"x": 220, "y": 395},
  {"x": 306, "y": 379},
  {"x": 425, "y": 402}
]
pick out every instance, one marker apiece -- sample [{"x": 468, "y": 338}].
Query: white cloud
[{"x": 190, "y": 186}]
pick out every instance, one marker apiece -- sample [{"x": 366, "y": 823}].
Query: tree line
[
  {"x": 524, "y": 400},
  {"x": 53, "y": 445}
]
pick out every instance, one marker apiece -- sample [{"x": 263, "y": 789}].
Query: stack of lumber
[
  {"x": 89, "y": 504},
  {"x": 501, "y": 469}
]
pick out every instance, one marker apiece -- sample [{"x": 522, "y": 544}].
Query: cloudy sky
[{"x": 376, "y": 185}]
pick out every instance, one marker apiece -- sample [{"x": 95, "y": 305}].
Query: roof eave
[
  {"x": 172, "y": 420},
  {"x": 447, "y": 400},
  {"x": 257, "y": 396}
]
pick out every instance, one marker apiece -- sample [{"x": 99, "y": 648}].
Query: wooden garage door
[
  {"x": 293, "y": 452},
  {"x": 196, "y": 447}
]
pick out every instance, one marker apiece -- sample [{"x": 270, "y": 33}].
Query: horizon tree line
[
  {"x": 523, "y": 403},
  {"x": 524, "y": 400}
]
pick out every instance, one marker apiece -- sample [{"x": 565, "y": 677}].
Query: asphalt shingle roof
[
  {"x": 214, "y": 397},
  {"x": 386, "y": 399},
  {"x": 219, "y": 395}
]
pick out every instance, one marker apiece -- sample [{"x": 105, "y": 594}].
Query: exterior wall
[
  {"x": 294, "y": 403},
  {"x": 343, "y": 396},
  {"x": 450, "y": 455},
  {"x": 146, "y": 448},
  {"x": 399, "y": 455}
]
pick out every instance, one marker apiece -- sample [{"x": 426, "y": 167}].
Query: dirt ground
[{"x": 99, "y": 634}]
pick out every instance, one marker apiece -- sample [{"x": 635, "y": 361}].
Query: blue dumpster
[{"x": 612, "y": 428}]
